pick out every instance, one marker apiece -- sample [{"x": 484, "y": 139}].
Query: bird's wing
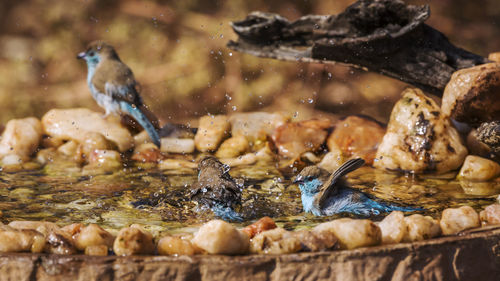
[
  {"x": 330, "y": 185},
  {"x": 116, "y": 80}
]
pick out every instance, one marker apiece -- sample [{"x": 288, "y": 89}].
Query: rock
[
  {"x": 393, "y": 228},
  {"x": 175, "y": 245},
  {"x": 356, "y": 137},
  {"x": 90, "y": 235},
  {"x": 420, "y": 228},
  {"x": 20, "y": 240},
  {"x": 471, "y": 95},
  {"x": 74, "y": 124},
  {"x": 255, "y": 126},
  {"x": 419, "y": 138},
  {"x": 263, "y": 224},
  {"x": 176, "y": 164},
  {"x": 454, "y": 220},
  {"x": 332, "y": 160},
  {"x": 491, "y": 214},
  {"x": 315, "y": 240},
  {"x": 247, "y": 159},
  {"x": 275, "y": 241},
  {"x": 103, "y": 161},
  {"x": 69, "y": 148},
  {"x": 21, "y": 137},
  {"x": 494, "y": 56},
  {"x": 489, "y": 134},
  {"x": 353, "y": 233},
  {"x": 147, "y": 153},
  {"x": 96, "y": 250},
  {"x": 60, "y": 243},
  {"x": 476, "y": 146},
  {"x": 133, "y": 240},
  {"x": 92, "y": 141},
  {"x": 476, "y": 168},
  {"x": 175, "y": 145},
  {"x": 211, "y": 131},
  {"x": 44, "y": 227},
  {"x": 293, "y": 139},
  {"x": 219, "y": 237},
  {"x": 233, "y": 147}
]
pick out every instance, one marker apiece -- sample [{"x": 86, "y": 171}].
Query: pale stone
[
  {"x": 92, "y": 235},
  {"x": 393, "y": 228},
  {"x": 420, "y": 228},
  {"x": 332, "y": 160},
  {"x": 175, "y": 245},
  {"x": 356, "y": 137},
  {"x": 147, "y": 153},
  {"x": 247, "y": 159},
  {"x": 491, "y": 214},
  {"x": 293, "y": 139},
  {"x": 476, "y": 168},
  {"x": 419, "y": 138},
  {"x": 96, "y": 250},
  {"x": 176, "y": 164},
  {"x": 133, "y": 240},
  {"x": 43, "y": 227},
  {"x": 353, "y": 233},
  {"x": 74, "y": 124},
  {"x": 255, "y": 126},
  {"x": 454, "y": 220},
  {"x": 175, "y": 145},
  {"x": 21, "y": 137},
  {"x": 103, "y": 161},
  {"x": 275, "y": 242},
  {"x": 233, "y": 147},
  {"x": 20, "y": 240},
  {"x": 69, "y": 148},
  {"x": 211, "y": 131},
  {"x": 220, "y": 237},
  {"x": 471, "y": 95},
  {"x": 60, "y": 243}
]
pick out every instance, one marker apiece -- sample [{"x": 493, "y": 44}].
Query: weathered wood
[
  {"x": 473, "y": 256},
  {"x": 385, "y": 36}
]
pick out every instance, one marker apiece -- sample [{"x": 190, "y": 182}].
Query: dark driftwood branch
[{"x": 385, "y": 36}]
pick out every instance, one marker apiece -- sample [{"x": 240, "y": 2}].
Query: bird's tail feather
[{"x": 142, "y": 119}]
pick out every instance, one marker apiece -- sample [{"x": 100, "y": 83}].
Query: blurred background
[{"x": 177, "y": 52}]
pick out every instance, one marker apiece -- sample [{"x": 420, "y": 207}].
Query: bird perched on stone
[
  {"x": 323, "y": 194},
  {"x": 216, "y": 189},
  {"x": 114, "y": 87}
]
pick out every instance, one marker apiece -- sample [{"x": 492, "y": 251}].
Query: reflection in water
[{"x": 159, "y": 199}]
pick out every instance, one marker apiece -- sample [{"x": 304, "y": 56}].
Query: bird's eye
[{"x": 91, "y": 54}]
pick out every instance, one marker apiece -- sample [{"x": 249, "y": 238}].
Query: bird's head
[
  {"x": 96, "y": 52},
  {"x": 310, "y": 179},
  {"x": 212, "y": 165}
]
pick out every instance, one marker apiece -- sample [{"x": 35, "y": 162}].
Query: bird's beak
[
  {"x": 298, "y": 179},
  {"x": 81, "y": 55}
]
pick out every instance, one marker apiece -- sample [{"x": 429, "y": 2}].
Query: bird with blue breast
[
  {"x": 325, "y": 194},
  {"x": 114, "y": 87}
]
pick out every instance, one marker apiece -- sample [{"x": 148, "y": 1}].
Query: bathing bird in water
[
  {"x": 323, "y": 194},
  {"x": 114, "y": 88},
  {"x": 216, "y": 189}
]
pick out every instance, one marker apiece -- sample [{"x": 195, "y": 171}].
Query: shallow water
[{"x": 159, "y": 200}]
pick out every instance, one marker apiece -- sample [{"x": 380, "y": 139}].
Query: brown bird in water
[{"x": 216, "y": 189}]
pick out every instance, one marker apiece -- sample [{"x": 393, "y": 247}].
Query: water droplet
[
  {"x": 234, "y": 107},
  {"x": 310, "y": 100}
]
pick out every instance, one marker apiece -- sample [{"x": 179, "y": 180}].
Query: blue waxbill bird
[
  {"x": 114, "y": 88},
  {"x": 323, "y": 194}
]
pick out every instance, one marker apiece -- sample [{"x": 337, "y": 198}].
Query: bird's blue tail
[
  {"x": 143, "y": 120},
  {"x": 387, "y": 208}
]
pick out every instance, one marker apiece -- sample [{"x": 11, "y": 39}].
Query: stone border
[{"x": 473, "y": 256}]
